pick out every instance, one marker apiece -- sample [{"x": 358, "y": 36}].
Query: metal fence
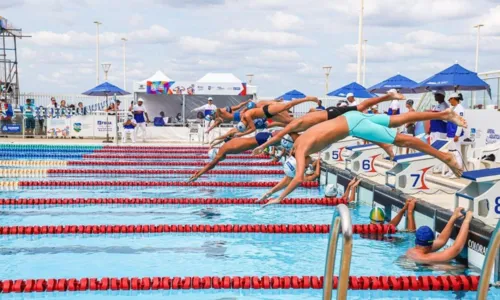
[{"x": 43, "y": 99}]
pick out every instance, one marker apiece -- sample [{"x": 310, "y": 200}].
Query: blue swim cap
[
  {"x": 251, "y": 105},
  {"x": 241, "y": 127},
  {"x": 424, "y": 236},
  {"x": 208, "y": 118},
  {"x": 259, "y": 123}
]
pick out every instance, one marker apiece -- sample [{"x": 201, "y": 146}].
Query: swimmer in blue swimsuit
[
  {"x": 372, "y": 128},
  {"x": 235, "y": 146},
  {"x": 259, "y": 124}
]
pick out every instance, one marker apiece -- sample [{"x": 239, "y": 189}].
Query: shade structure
[
  {"x": 403, "y": 84},
  {"x": 355, "y": 88},
  {"x": 106, "y": 89},
  {"x": 293, "y": 94},
  {"x": 453, "y": 78}
]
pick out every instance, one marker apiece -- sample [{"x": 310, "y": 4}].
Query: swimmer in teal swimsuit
[
  {"x": 368, "y": 127},
  {"x": 235, "y": 146}
]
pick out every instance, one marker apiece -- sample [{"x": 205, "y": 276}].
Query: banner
[
  {"x": 158, "y": 87},
  {"x": 11, "y": 128},
  {"x": 189, "y": 88},
  {"x": 82, "y": 126},
  {"x": 58, "y": 127},
  {"x": 103, "y": 124}
]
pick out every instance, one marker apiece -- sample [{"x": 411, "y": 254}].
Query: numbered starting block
[
  {"x": 484, "y": 194},
  {"x": 362, "y": 159},
  {"x": 409, "y": 174},
  {"x": 336, "y": 151}
]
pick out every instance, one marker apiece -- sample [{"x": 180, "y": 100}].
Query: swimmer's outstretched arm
[
  {"x": 410, "y": 226},
  {"x": 228, "y": 134},
  {"x": 300, "y": 157},
  {"x": 250, "y": 126},
  {"x": 347, "y": 191},
  {"x": 291, "y": 127},
  {"x": 442, "y": 239},
  {"x": 352, "y": 195},
  {"x": 397, "y": 219},
  {"x": 237, "y": 107},
  {"x": 208, "y": 167},
  {"x": 455, "y": 249},
  {"x": 281, "y": 185}
]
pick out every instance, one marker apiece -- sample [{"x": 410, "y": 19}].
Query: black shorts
[
  {"x": 265, "y": 108},
  {"x": 334, "y": 111}
]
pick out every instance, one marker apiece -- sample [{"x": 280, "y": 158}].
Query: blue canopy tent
[
  {"x": 399, "y": 82},
  {"x": 293, "y": 94},
  {"x": 356, "y": 89},
  {"x": 106, "y": 89},
  {"x": 454, "y": 78}
]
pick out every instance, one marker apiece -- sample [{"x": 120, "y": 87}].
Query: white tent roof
[
  {"x": 219, "y": 77},
  {"x": 158, "y": 76}
]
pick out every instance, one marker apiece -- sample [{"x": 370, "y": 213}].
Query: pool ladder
[
  {"x": 489, "y": 260},
  {"x": 341, "y": 221}
]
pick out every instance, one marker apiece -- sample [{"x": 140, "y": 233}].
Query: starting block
[
  {"x": 409, "y": 174},
  {"x": 336, "y": 151},
  {"x": 484, "y": 194},
  {"x": 363, "y": 158}
]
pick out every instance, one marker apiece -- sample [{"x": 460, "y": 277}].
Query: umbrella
[
  {"x": 403, "y": 84},
  {"x": 356, "y": 89},
  {"x": 106, "y": 89},
  {"x": 454, "y": 78},
  {"x": 293, "y": 94}
]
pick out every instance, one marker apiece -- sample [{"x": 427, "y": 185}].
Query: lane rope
[
  {"x": 395, "y": 283},
  {"x": 309, "y": 184},
  {"x": 110, "y": 156},
  {"x": 169, "y": 163}
]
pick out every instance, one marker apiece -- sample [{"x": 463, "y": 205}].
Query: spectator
[
  {"x": 139, "y": 112},
  {"x": 52, "y": 109},
  {"x": 454, "y": 133},
  {"x": 6, "y": 112},
  {"x": 438, "y": 127},
  {"x": 53, "y": 103},
  {"x": 394, "y": 108},
  {"x": 426, "y": 245},
  {"x": 41, "y": 119},
  {"x": 350, "y": 98},
  {"x": 410, "y": 127},
  {"x": 178, "y": 118},
  {"x": 118, "y": 102},
  {"x": 63, "y": 104},
  {"x": 129, "y": 128},
  {"x": 320, "y": 105},
  {"x": 29, "y": 117},
  {"x": 111, "y": 109},
  {"x": 374, "y": 110},
  {"x": 80, "y": 109},
  {"x": 160, "y": 121},
  {"x": 208, "y": 108}
]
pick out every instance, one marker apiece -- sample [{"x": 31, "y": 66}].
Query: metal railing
[
  {"x": 341, "y": 221},
  {"x": 489, "y": 261}
]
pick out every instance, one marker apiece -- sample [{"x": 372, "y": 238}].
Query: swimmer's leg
[
  {"x": 279, "y": 107},
  {"x": 403, "y": 140},
  {"x": 368, "y": 103},
  {"x": 412, "y": 117},
  {"x": 295, "y": 126},
  {"x": 237, "y": 107}
]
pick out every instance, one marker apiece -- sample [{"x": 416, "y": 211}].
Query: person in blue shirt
[
  {"x": 320, "y": 106},
  {"x": 29, "y": 116}
]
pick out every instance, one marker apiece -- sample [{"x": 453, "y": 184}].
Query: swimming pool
[{"x": 185, "y": 254}]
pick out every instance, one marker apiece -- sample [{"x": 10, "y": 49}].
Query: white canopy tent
[{"x": 140, "y": 86}]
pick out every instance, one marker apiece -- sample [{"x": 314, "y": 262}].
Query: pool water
[{"x": 191, "y": 254}]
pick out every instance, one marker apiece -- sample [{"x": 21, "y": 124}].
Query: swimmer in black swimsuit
[
  {"x": 236, "y": 146},
  {"x": 313, "y": 118}
]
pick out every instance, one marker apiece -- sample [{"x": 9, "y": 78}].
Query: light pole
[
  {"x": 124, "y": 64},
  {"x": 478, "y": 26},
  {"x": 97, "y": 23},
  {"x": 249, "y": 78},
  {"x": 106, "y": 67},
  {"x": 360, "y": 41},
  {"x": 364, "y": 61},
  {"x": 327, "y": 70}
]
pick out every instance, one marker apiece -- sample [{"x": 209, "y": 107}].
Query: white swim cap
[
  {"x": 212, "y": 153},
  {"x": 331, "y": 190},
  {"x": 310, "y": 170},
  {"x": 290, "y": 166},
  {"x": 287, "y": 142},
  {"x": 241, "y": 127},
  {"x": 208, "y": 118},
  {"x": 140, "y": 100}
]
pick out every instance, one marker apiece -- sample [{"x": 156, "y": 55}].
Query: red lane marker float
[
  {"x": 110, "y": 156},
  {"x": 169, "y": 163},
  {"x": 155, "y": 172},
  {"x": 157, "y": 183},
  {"x": 177, "y": 201},
  {"x": 190, "y": 228},
  {"x": 422, "y": 283}
]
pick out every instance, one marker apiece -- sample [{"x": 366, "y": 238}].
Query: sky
[{"x": 284, "y": 43}]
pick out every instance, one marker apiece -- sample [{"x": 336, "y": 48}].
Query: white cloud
[
  {"x": 135, "y": 19},
  {"x": 491, "y": 21},
  {"x": 280, "y": 55},
  {"x": 199, "y": 45},
  {"x": 10, "y": 3},
  {"x": 27, "y": 53},
  {"x": 275, "y": 38},
  {"x": 284, "y": 21}
]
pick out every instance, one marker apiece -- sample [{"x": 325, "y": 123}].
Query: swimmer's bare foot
[
  {"x": 257, "y": 151},
  {"x": 455, "y": 118},
  {"x": 452, "y": 163},
  {"x": 395, "y": 95},
  {"x": 388, "y": 149},
  {"x": 313, "y": 99}
]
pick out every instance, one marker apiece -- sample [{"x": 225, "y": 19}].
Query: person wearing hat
[
  {"x": 374, "y": 110},
  {"x": 377, "y": 215},
  {"x": 129, "y": 128},
  {"x": 350, "y": 98},
  {"x": 410, "y": 127},
  {"x": 426, "y": 245},
  {"x": 438, "y": 127},
  {"x": 139, "y": 111},
  {"x": 454, "y": 133},
  {"x": 208, "y": 111}
]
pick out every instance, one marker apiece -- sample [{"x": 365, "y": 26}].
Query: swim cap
[
  {"x": 251, "y": 105},
  {"x": 241, "y": 127},
  {"x": 212, "y": 153},
  {"x": 290, "y": 166},
  {"x": 259, "y": 123},
  {"x": 208, "y": 118},
  {"x": 310, "y": 170},
  {"x": 377, "y": 215},
  {"x": 287, "y": 142},
  {"x": 424, "y": 236},
  {"x": 331, "y": 190}
]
